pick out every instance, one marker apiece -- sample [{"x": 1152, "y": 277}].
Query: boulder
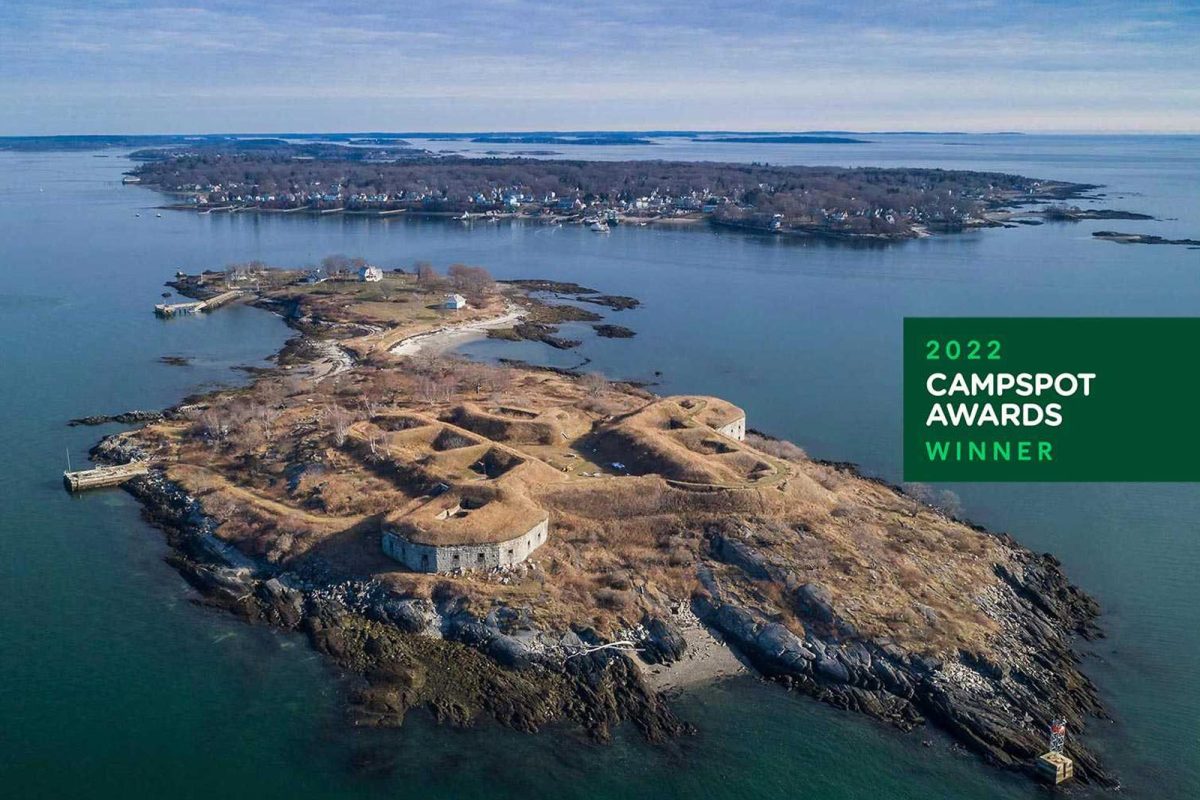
[
  {"x": 664, "y": 641},
  {"x": 410, "y": 616},
  {"x": 741, "y": 555},
  {"x": 509, "y": 652}
]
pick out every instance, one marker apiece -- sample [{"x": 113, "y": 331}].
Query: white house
[
  {"x": 455, "y": 302},
  {"x": 369, "y": 274}
]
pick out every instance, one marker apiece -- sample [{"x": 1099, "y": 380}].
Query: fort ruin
[{"x": 474, "y": 474}]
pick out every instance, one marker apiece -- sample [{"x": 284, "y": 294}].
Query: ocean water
[{"x": 113, "y": 683}]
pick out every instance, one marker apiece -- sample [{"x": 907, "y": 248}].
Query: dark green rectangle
[{"x": 1139, "y": 422}]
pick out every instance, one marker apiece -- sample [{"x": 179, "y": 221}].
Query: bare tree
[
  {"x": 335, "y": 265},
  {"x": 369, "y": 405},
  {"x": 474, "y": 282},
  {"x": 594, "y": 384},
  {"x": 432, "y": 389},
  {"x": 250, "y": 435},
  {"x": 426, "y": 389},
  {"x": 220, "y": 507},
  {"x": 375, "y": 443},
  {"x": 426, "y": 274},
  {"x": 213, "y": 425},
  {"x": 338, "y": 421},
  {"x": 496, "y": 380},
  {"x": 942, "y": 500}
]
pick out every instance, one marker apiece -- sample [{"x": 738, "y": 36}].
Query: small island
[
  {"x": 540, "y": 545},
  {"x": 1143, "y": 238}
]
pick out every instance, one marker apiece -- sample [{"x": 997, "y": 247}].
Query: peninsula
[
  {"x": 533, "y": 545},
  {"x": 862, "y": 204}
]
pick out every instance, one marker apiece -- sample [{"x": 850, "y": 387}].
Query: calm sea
[{"x": 114, "y": 684}]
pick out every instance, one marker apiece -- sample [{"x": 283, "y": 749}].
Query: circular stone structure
[{"x": 421, "y": 557}]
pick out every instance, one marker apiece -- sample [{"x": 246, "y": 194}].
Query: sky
[{"x": 449, "y": 65}]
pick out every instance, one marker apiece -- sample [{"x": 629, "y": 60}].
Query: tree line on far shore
[{"x": 864, "y": 199}]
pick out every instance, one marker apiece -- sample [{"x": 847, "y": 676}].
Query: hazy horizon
[
  {"x": 571, "y": 132},
  {"x": 976, "y": 66}
]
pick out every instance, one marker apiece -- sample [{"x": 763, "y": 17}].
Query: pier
[
  {"x": 100, "y": 477},
  {"x": 196, "y": 306}
]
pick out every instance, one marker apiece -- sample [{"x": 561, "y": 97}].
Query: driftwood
[{"x": 626, "y": 646}]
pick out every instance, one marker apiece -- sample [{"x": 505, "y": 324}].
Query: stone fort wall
[
  {"x": 446, "y": 558},
  {"x": 735, "y": 430}
]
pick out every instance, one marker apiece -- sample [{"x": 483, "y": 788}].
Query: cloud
[{"x": 799, "y": 61}]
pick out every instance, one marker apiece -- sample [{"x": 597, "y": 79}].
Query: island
[
  {"x": 534, "y": 545},
  {"x": 863, "y": 204},
  {"x": 1143, "y": 238}
]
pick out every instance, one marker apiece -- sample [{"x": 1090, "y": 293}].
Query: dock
[
  {"x": 100, "y": 477},
  {"x": 175, "y": 309},
  {"x": 196, "y": 306}
]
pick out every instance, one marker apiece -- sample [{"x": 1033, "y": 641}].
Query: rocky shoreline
[
  {"x": 998, "y": 707},
  {"x": 406, "y": 653},
  {"x": 410, "y": 653}
]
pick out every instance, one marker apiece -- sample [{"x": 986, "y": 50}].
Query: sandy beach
[
  {"x": 444, "y": 339},
  {"x": 706, "y": 659}
]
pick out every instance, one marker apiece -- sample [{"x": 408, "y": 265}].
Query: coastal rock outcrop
[
  {"x": 998, "y": 702},
  {"x": 124, "y": 418},
  {"x": 411, "y": 653}
]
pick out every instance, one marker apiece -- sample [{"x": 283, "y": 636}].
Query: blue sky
[{"x": 174, "y": 67}]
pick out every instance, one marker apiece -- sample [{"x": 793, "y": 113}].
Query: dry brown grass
[{"x": 268, "y": 464}]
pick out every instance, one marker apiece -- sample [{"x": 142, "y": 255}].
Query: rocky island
[{"x": 532, "y": 545}]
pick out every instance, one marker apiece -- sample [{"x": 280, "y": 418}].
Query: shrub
[{"x": 776, "y": 447}]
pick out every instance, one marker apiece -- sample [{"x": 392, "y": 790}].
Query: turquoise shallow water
[{"x": 115, "y": 684}]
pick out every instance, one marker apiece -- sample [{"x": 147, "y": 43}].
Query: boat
[
  {"x": 158, "y": 215},
  {"x": 598, "y": 227}
]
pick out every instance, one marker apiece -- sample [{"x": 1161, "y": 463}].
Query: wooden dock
[
  {"x": 101, "y": 477},
  {"x": 196, "y": 306}
]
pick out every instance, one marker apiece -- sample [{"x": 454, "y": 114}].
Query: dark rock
[
  {"x": 614, "y": 331},
  {"x": 729, "y": 550},
  {"x": 813, "y": 601},
  {"x": 509, "y": 652},
  {"x": 833, "y": 669},
  {"x": 664, "y": 642},
  {"x": 737, "y": 623},
  {"x": 410, "y": 616},
  {"x": 125, "y": 418}
]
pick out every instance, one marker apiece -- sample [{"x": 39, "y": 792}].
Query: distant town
[{"x": 813, "y": 201}]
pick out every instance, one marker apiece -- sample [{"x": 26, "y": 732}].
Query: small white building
[
  {"x": 369, "y": 274},
  {"x": 455, "y": 302}
]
